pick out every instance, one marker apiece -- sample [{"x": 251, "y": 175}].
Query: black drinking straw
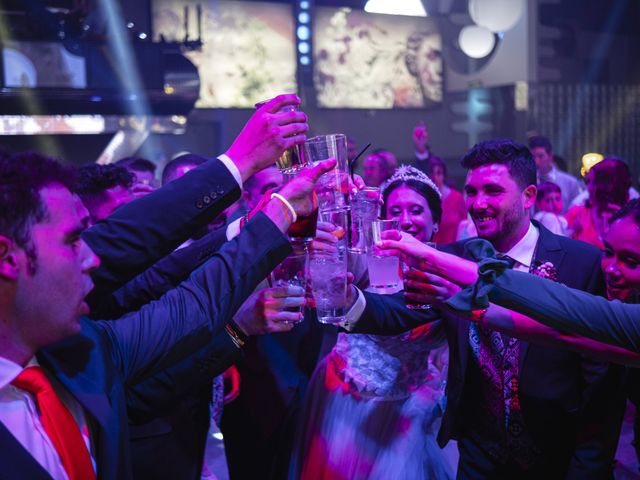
[{"x": 352, "y": 162}]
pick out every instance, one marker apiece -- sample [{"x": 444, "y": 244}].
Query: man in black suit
[
  {"x": 95, "y": 367},
  {"x": 166, "y": 446},
  {"x": 516, "y": 409}
]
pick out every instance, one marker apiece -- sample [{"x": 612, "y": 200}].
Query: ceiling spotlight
[{"x": 413, "y": 8}]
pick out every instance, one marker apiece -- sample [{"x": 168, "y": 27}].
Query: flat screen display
[
  {"x": 364, "y": 60},
  {"x": 248, "y": 53}
]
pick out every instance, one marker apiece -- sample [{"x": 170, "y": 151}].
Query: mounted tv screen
[
  {"x": 249, "y": 50},
  {"x": 364, "y": 60}
]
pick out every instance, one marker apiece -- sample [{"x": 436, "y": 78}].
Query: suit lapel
[
  {"x": 17, "y": 463},
  {"x": 548, "y": 249}
]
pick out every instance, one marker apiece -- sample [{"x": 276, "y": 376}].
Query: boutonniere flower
[{"x": 545, "y": 270}]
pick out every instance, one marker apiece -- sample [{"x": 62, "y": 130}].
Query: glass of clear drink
[
  {"x": 328, "y": 272},
  {"x": 333, "y": 187},
  {"x": 411, "y": 304},
  {"x": 365, "y": 205},
  {"x": 384, "y": 269},
  {"x": 338, "y": 219},
  {"x": 292, "y": 272}
]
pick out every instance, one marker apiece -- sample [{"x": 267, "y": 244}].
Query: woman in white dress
[{"x": 374, "y": 404}]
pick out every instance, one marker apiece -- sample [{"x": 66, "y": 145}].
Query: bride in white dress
[{"x": 374, "y": 404}]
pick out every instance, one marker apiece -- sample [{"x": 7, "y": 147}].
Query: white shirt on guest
[{"x": 19, "y": 414}]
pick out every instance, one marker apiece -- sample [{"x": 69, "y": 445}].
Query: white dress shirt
[
  {"x": 523, "y": 251},
  {"x": 19, "y": 413},
  {"x": 232, "y": 168}
]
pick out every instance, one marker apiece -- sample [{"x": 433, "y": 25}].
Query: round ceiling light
[
  {"x": 476, "y": 42},
  {"x": 496, "y": 15}
]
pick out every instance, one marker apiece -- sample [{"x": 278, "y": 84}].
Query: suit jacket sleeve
[
  {"x": 160, "y": 278},
  {"x": 140, "y": 233},
  {"x": 388, "y": 315},
  {"x": 187, "y": 318},
  {"x": 154, "y": 396},
  {"x": 568, "y": 309}
]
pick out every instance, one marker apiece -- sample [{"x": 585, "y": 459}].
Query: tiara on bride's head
[{"x": 407, "y": 172}]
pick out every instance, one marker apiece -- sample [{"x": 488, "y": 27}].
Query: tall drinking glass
[
  {"x": 338, "y": 218},
  {"x": 333, "y": 187},
  {"x": 292, "y": 272},
  {"x": 411, "y": 304},
  {"x": 364, "y": 210},
  {"x": 384, "y": 270},
  {"x": 328, "y": 273}
]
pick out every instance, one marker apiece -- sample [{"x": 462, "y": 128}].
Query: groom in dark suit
[{"x": 518, "y": 410}]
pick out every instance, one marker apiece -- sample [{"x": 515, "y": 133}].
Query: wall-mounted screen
[
  {"x": 364, "y": 60},
  {"x": 248, "y": 53}
]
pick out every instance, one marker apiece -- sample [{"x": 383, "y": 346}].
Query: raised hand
[
  {"x": 325, "y": 239},
  {"x": 413, "y": 251},
  {"x": 300, "y": 191},
  {"x": 427, "y": 259},
  {"x": 424, "y": 288},
  {"x": 267, "y": 134},
  {"x": 265, "y": 311}
]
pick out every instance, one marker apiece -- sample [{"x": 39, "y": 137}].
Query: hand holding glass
[
  {"x": 384, "y": 267},
  {"x": 329, "y": 284},
  {"x": 292, "y": 272}
]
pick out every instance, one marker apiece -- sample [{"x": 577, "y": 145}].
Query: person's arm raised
[
  {"x": 267, "y": 134},
  {"x": 428, "y": 259},
  {"x": 298, "y": 194}
]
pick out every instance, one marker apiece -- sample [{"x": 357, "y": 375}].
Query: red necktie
[{"x": 62, "y": 429}]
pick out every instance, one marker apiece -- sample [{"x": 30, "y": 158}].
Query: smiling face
[
  {"x": 50, "y": 293},
  {"x": 498, "y": 206},
  {"x": 412, "y": 211},
  {"x": 621, "y": 259}
]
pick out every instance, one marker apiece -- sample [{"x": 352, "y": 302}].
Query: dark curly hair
[
  {"x": 631, "y": 209},
  {"x": 515, "y": 156},
  {"x": 22, "y": 176}
]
